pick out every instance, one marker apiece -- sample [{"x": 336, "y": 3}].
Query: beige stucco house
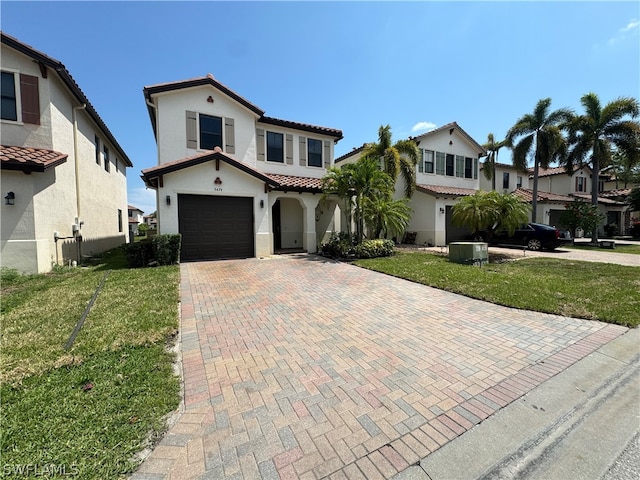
[
  {"x": 63, "y": 174},
  {"x": 234, "y": 182},
  {"x": 447, "y": 170}
]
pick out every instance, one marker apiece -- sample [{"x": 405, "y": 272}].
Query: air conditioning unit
[{"x": 469, "y": 253}]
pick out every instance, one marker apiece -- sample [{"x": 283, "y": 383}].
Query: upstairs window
[
  {"x": 459, "y": 166},
  {"x": 581, "y": 184},
  {"x": 450, "y": 166},
  {"x": 210, "y": 132},
  {"x": 314, "y": 152},
  {"x": 97, "y": 144},
  {"x": 275, "y": 147},
  {"x": 9, "y": 101},
  {"x": 519, "y": 184},
  {"x": 428, "y": 161},
  {"x": 505, "y": 180},
  {"x": 468, "y": 167},
  {"x": 106, "y": 159}
]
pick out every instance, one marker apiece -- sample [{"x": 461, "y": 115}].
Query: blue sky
[{"x": 347, "y": 65}]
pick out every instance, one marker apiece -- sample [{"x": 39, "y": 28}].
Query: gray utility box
[{"x": 468, "y": 253}]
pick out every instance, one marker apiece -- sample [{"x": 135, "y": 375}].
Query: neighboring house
[
  {"x": 63, "y": 174},
  {"x": 234, "y": 182},
  {"x": 447, "y": 170},
  {"x": 508, "y": 178},
  {"x": 151, "y": 221},
  {"x": 135, "y": 216}
]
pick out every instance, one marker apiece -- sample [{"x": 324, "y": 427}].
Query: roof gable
[{"x": 453, "y": 127}]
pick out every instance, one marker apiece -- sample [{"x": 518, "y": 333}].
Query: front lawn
[
  {"x": 597, "y": 291},
  {"x": 620, "y": 248},
  {"x": 87, "y": 410}
]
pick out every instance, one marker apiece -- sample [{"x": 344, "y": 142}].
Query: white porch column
[{"x": 309, "y": 236}]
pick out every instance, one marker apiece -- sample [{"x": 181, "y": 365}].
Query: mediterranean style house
[
  {"x": 63, "y": 174},
  {"x": 232, "y": 181},
  {"x": 447, "y": 170},
  {"x": 135, "y": 217}
]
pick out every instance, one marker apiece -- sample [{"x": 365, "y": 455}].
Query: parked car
[{"x": 534, "y": 236}]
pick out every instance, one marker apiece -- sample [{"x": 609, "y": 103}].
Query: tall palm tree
[
  {"x": 597, "y": 131},
  {"x": 399, "y": 158},
  {"x": 492, "y": 147},
  {"x": 538, "y": 134}
]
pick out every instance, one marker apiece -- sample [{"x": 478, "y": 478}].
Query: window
[
  {"x": 428, "y": 161},
  {"x": 119, "y": 220},
  {"x": 581, "y": 184},
  {"x": 314, "y": 152},
  {"x": 97, "y": 141},
  {"x": 519, "y": 184},
  {"x": 210, "y": 132},
  {"x": 275, "y": 147},
  {"x": 449, "y": 165},
  {"x": 106, "y": 159},
  {"x": 505, "y": 180},
  {"x": 9, "y": 102},
  {"x": 439, "y": 163},
  {"x": 115, "y": 162},
  {"x": 459, "y": 166},
  {"x": 468, "y": 167},
  {"x": 600, "y": 185}
]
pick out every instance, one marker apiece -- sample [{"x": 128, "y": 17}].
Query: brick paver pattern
[{"x": 301, "y": 367}]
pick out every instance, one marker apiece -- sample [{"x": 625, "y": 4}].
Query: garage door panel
[{"x": 215, "y": 227}]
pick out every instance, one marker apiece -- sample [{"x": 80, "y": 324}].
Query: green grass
[
  {"x": 596, "y": 291},
  {"x": 620, "y": 248},
  {"x": 47, "y": 417}
]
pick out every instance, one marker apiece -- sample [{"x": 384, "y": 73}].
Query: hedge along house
[
  {"x": 63, "y": 172},
  {"x": 447, "y": 170},
  {"x": 232, "y": 181}
]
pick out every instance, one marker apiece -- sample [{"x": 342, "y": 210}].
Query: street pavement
[{"x": 301, "y": 367}]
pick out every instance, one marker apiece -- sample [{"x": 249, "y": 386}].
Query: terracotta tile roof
[
  {"x": 133, "y": 220},
  {"x": 503, "y": 165},
  {"x": 131, "y": 207},
  {"x": 620, "y": 192},
  {"x": 349, "y": 154},
  {"x": 337, "y": 134},
  {"x": 57, "y": 67},
  {"x": 601, "y": 199},
  {"x": 547, "y": 172},
  {"x": 297, "y": 184},
  {"x": 527, "y": 195},
  {"x": 439, "y": 190},
  {"x": 30, "y": 159},
  {"x": 151, "y": 175}
]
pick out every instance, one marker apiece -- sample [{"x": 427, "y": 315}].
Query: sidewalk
[{"x": 580, "y": 424}]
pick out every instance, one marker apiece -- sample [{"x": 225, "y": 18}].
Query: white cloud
[
  {"x": 143, "y": 198},
  {"x": 423, "y": 127},
  {"x": 627, "y": 30}
]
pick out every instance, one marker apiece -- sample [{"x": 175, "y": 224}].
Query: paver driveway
[{"x": 301, "y": 367}]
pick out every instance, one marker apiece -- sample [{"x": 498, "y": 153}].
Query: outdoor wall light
[
  {"x": 168, "y": 199},
  {"x": 441, "y": 210},
  {"x": 10, "y": 198},
  {"x": 261, "y": 203}
]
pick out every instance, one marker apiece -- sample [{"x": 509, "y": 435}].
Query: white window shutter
[
  {"x": 192, "y": 131},
  {"x": 260, "y": 144},
  {"x": 229, "y": 135},
  {"x": 289, "y": 149},
  {"x": 327, "y": 154},
  {"x": 303, "y": 151}
]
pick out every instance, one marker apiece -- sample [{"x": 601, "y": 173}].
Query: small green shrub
[
  {"x": 167, "y": 248},
  {"x": 138, "y": 254},
  {"x": 8, "y": 275},
  {"x": 338, "y": 246},
  {"x": 374, "y": 248}
]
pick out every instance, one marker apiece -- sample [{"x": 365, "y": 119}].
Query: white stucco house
[
  {"x": 447, "y": 170},
  {"x": 232, "y": 181},
  {"x": 63, "y": 174},
  {"x": 135, "y": 217}
]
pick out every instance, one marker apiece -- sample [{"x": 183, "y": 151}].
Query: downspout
[
  {"x": 77, "y": 172},
  {"x": 155, "y": 108}
]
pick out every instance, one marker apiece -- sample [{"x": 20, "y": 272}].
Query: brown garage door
[{"x": 215, "y": 227}]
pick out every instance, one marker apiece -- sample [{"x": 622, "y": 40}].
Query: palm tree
[
  {"x": 339, "y": 182},
  {"x": 473, "y": 212},
  {"x": 492, "y": 147},
  {"x": 538, "y": 133},
  {"x": 597, "y": 131},
  {"x": 400, "y": 158},
  {"x": 386, "y": 216}
]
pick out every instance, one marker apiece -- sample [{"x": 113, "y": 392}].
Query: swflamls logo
[{"x": 38, "y": 470}]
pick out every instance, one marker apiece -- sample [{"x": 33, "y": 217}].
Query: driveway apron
[{"x": 301, "y": 367}]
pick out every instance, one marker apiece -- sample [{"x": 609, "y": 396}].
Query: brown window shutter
[
  {"x": 192, "y": 131},
  {"x": 229, "y": 135},
  {"x": 327, "y": 154},
  {"x": 30, "y": 99},
  {"x": 289, "y": 149},
  {"x": 303, "y": 151},
  {"x": 260, "y": 144}
]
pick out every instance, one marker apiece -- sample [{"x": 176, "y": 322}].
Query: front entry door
[{"x": 277, "y": 233}]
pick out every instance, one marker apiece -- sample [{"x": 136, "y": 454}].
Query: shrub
[
  {"x": 138, "y": 254},
  {"x": 374, "y": 248},
  {"x": 167, "y": 248},
  {"x": 338, "y": 246}
]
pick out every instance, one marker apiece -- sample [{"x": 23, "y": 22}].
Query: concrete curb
[{"x": 575, "y": 425}]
